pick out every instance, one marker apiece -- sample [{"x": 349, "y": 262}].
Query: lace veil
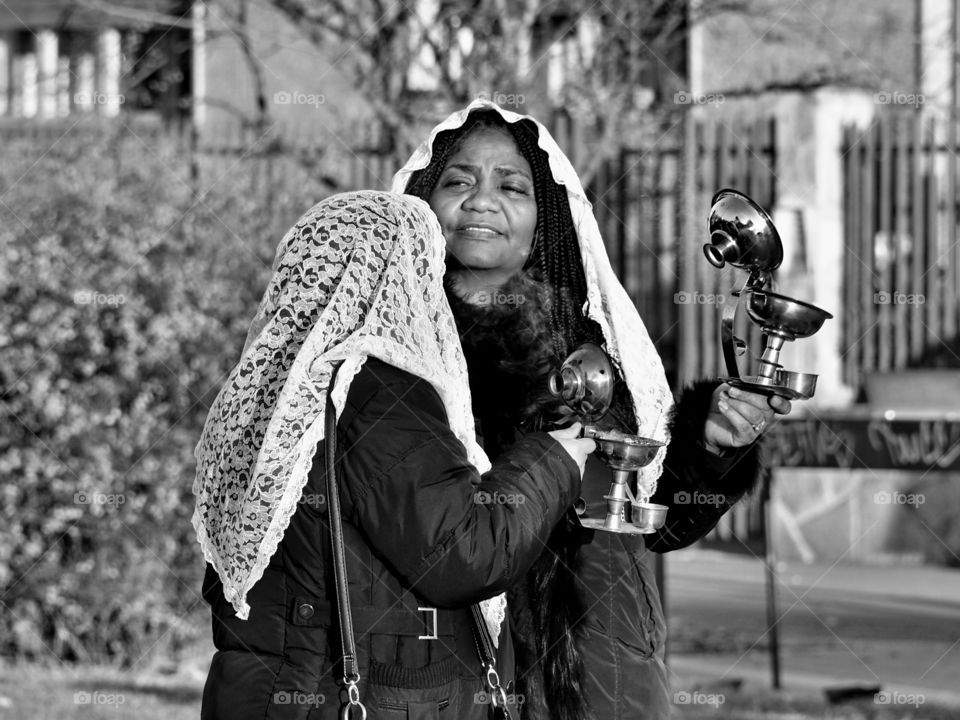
[
  {"x": 628, "y": 342},
  {"x": 360, "y": 275}
]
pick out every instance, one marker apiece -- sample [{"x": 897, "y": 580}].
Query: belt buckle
[{"x": 431, "y": 624}]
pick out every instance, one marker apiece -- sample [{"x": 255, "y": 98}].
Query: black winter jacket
[
  {"x": 424, "y": 533},
  {"x": 612, "y": 599}
]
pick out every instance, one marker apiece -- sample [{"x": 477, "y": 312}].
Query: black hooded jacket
[{"x": 426, "y": 536}]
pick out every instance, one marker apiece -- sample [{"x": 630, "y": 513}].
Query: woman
[
  {"x": 529, "y": 281},
  {"x": 357, "y": 283}
]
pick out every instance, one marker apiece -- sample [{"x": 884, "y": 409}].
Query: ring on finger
[{"x": 758, "y": 427}]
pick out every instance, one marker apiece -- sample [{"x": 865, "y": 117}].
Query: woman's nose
[{"x": 481, "y": 198}]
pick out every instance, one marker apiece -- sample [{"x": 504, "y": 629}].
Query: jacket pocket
[{"x": 428, "y": 693}]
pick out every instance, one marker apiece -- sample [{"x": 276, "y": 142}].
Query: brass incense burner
[
  {"x": 742, "y": 234},
  {"x": 585, "y": 382}
]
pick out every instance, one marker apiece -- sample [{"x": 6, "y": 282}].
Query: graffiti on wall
[{"x": 859, "y": 443}]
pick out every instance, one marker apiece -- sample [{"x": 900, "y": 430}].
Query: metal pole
[
  {"x": 771, "y": 589},
  {"x": 954, "y": 58},
  {"x": 659, "y": 569},
  {"x": 918, "y": 53}
]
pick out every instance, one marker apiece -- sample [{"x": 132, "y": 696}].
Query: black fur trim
[
  {"x": 509, "y": 353},
  {"x": 734, "y": 474}
]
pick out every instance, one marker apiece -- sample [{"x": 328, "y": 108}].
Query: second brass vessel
[{"x": 742, "y": 234}]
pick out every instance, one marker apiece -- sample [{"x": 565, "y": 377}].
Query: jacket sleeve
[
  {"x": 698, "y": 486},
  {"x": 454, "y": 536}
]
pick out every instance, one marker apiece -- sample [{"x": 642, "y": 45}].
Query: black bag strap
[
  {"x": 351, "y": 669},
  {"x": 485, "y": 650}
]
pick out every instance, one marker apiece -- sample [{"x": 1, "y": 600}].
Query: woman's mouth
[{"x": 478, "y": 231}]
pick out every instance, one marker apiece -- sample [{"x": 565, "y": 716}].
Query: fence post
[
  {"x": 687, "y": 369},
  {"x": 47, "y": 66},
  {"x": 769, "y": 560},
  {"x": 6, "y": 59},
  {"x": 918, "y": 171}
]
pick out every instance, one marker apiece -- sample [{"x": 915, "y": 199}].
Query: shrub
[{"x": 126, "y": 297}]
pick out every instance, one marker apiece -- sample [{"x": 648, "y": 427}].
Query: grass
[{"x": 34, "y": 692}]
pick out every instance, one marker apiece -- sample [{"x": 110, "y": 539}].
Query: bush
[{"x": 126, "y": 299}]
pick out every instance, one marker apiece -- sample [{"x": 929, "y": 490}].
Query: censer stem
[
  {"x": 618, "y": 500},
  {"x": 770, "y": 361}
]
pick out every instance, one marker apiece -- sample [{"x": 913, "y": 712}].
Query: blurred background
[{"x": 153, "y": 152}]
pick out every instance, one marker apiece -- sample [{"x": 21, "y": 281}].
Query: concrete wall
[{"x": 869, "y": 516}]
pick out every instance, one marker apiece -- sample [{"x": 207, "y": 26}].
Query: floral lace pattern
[
  {"x": 360, "y": 275},
  {"x": 628, "y": 342}
]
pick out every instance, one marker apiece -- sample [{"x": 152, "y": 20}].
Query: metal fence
[{"x": 902, "y": 261}]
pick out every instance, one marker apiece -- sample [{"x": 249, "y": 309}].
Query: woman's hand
[
  {"x": 577, "y": 447},
  {"x": 738, "y": 417}
]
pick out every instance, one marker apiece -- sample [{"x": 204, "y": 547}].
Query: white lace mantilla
[
  {"x": 628, "y": 342},
  {"x": 360, "y": 275}
]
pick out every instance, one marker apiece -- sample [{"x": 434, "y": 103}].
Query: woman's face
[{"x": 486, "y": 205}]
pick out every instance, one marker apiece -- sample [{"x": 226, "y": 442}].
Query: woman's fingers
[
  {"x": 781, "y": 406},
  {"x": 745, "y": 420},
  {"x": 752, "y": 413},
  {"x": 572, "y": 431},
  {"x": 752, "y": 406}
]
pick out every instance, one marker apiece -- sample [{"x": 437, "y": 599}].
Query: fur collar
[{"x": 509, "y": 350}]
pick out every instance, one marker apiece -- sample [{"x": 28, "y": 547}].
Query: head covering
[
  {"x": 360, "y": 275},
  {"x": 627, "y": 340}
]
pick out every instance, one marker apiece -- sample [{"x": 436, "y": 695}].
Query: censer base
[
  {"x": 753, "y": 383},
  {"x": 625, "y": 528}
]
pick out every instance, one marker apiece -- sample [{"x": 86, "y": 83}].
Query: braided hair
[{"x": 555, "y": 252}]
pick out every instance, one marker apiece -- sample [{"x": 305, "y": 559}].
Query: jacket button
[{"x": 305, "y": 611}]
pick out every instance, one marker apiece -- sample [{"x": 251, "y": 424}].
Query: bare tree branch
[
  {"x": 255, "y": 66},
  {"x": 499, "y": 46}
]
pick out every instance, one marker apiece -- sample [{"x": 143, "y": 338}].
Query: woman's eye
[{"x": 515, "y": 189}]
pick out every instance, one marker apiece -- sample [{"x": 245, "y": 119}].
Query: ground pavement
[{"x": 895, "y": 628}]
